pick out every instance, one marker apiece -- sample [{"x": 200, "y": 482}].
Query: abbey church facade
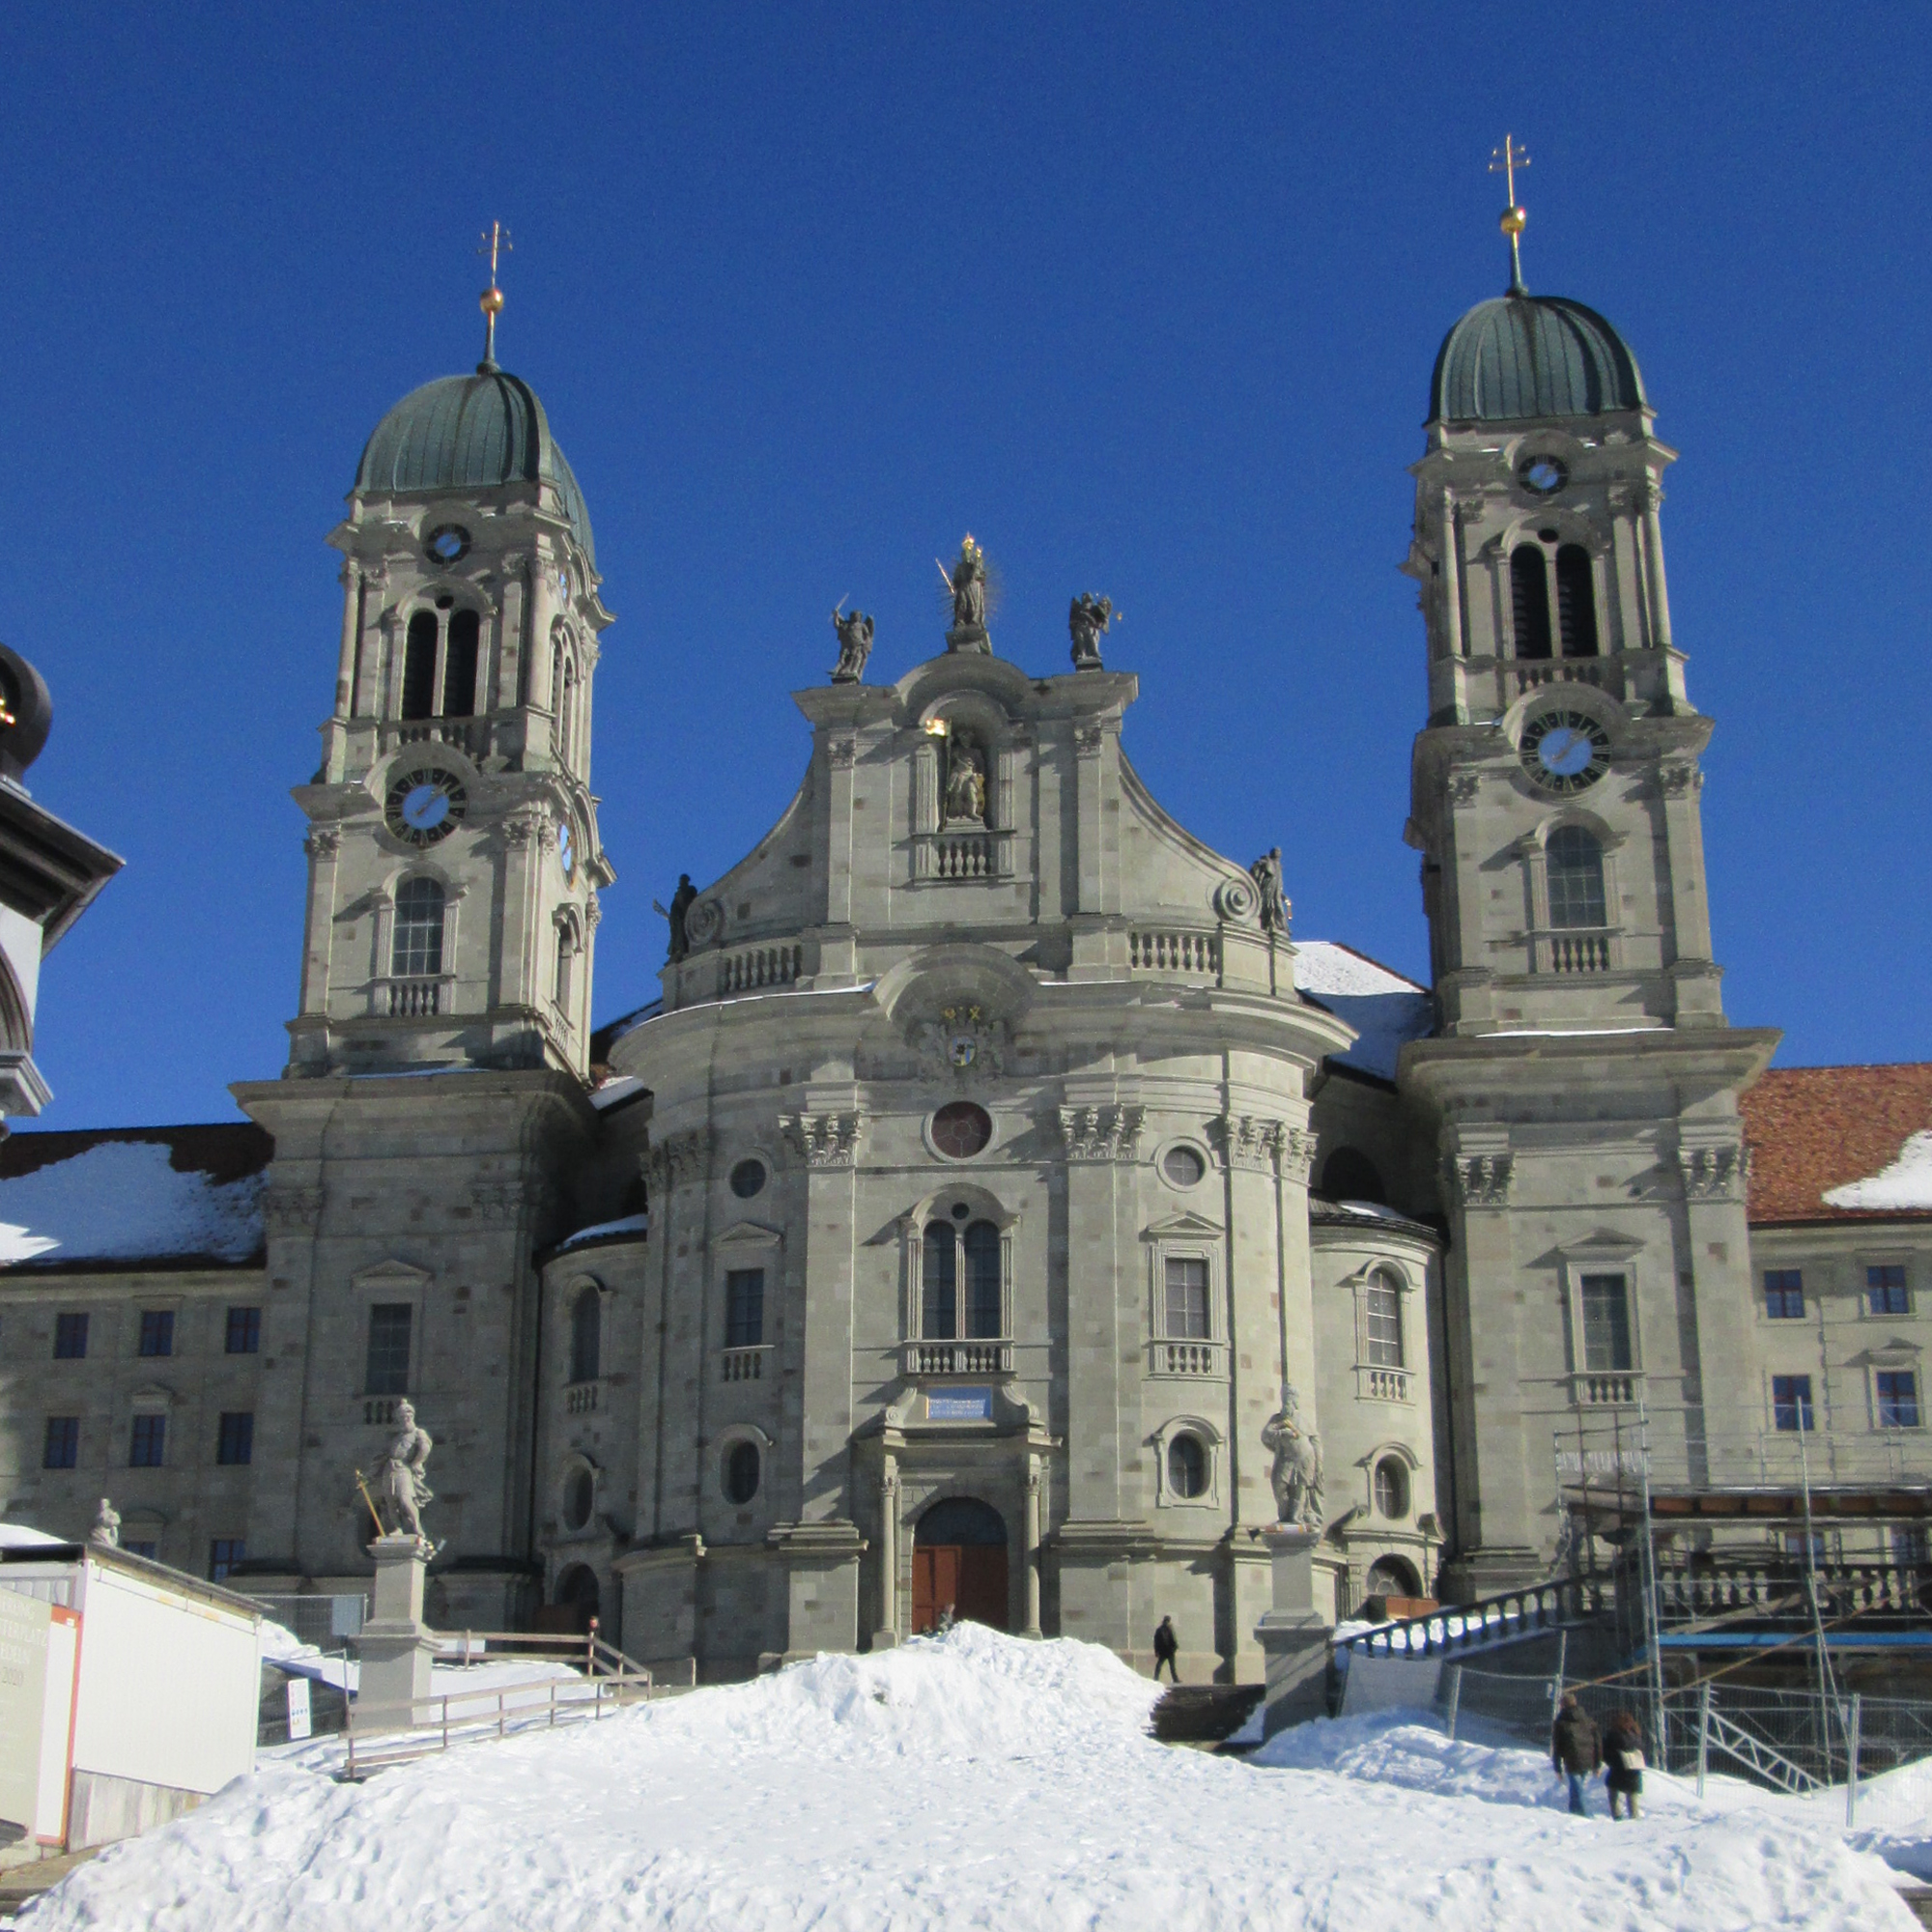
[{"x": 994, "y": 1207}]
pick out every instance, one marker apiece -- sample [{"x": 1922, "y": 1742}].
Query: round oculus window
[
  {"x": 961, "y": 1129},
  {"x": 448, "y": 543},
  {"x": 748, "y": 1179},
  {"x": 742, "y": 1470},
  {"x": 1182, "y": 1166},
  {"x": 1542, "y": 475},
  {"x": 425, "y": 804},
  {"x": 1565, "y": 751}
]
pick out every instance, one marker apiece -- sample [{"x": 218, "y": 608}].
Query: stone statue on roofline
[
  {"x": 1265, "y": 872},
  {"x": 1296, "y": 1474},
  {"x": 106, "y": 1530},
  {"x": 966, "y": 584},
  {"x": 401, "y": 1488},
  {"x": 1086, "y": 622},
  {"x": 855, "y": 645},
  {"x": 681, "y": 903}
]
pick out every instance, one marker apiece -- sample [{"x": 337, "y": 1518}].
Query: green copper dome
[
  {"x": 1524, "y": 355},
  {"x": 471, "y": 433}
]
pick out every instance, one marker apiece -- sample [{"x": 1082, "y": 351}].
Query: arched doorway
[
  {"x": 1392, "y": 1576},
  {"x": 576, "y": 1596},
  {"x": 959, "y": 1557}
]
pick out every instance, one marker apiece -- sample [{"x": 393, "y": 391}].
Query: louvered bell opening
[
  {"x": 1529, "y": 601},
  {"x": 1576, "y": 602}
]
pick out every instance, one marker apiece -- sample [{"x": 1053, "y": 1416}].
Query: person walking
[
  {"x": 1574, "y": 1750},
  {"x": 1166, "y": 1648},
  {"x": 1623, "y": 1760}
]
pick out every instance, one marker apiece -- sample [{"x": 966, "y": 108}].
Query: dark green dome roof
[
  {"x": 1524, "y": 355},
  {"x": 471, "y": 433}
]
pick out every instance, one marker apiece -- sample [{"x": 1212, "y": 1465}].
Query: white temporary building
[{"x": 128, "y": 1692}]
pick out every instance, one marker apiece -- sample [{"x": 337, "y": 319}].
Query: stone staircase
[{"x": 1204, "y": 1715}]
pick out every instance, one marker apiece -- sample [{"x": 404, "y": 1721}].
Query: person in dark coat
[
  {"x": 1573, "y": 1749},
  {"x": 1623, "y": 1760},
  {"x": 1166, "y": 1648}
]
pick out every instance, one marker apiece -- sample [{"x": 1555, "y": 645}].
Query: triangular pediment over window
[
  {"x": 1188, "y": 1226},
  {"x": 748, "y": 1234},
  {"x": 396, "y": 1274}
]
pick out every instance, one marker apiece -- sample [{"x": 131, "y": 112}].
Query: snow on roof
[
  {"x": 1383, "y": 1006},
  {"x": 172, "y": 1196},
  {"x": 1839, "y": 1143},
  {"x": 619, "y": 1087},
  {"x": 18, "y": 1536}
]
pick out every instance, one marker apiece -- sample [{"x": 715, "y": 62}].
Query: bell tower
[
  {"x": 454, "y": 861},
  {"x": 1582, "y": 1079}
]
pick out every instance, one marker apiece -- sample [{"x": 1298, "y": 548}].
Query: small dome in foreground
[{"x": 1521, "y": 357}]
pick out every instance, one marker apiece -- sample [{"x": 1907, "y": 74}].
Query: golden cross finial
[
  {"x": 494, "y": 238},
  {"x": 1504, "y": 162}
]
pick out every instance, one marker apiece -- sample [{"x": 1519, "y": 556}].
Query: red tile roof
[{"x": 1813, "y": 1128}]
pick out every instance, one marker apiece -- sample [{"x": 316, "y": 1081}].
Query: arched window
[
  {"x": 417, "y": 952},
  {"x": 1350, "y": 1175},
  {"x": 587, "y": 1327},
  {"x": 983, "y": 1281},
  {"x": 1529, "y": 599},
  {"x": 1576, "y": 602},
  {"x": 1392, "y": 1487},
  {"x": 1391, "y": 1576},
  {"x": 419, "y": 666},
  {"x": 1575, "y": 862},
  {"x": 743, "y": 1467},
  {"x": 566, "y": 708},
  {"x": 566, "y": 966},
  {"x": 1381, "y": 1322},
  {"x": 939, "y": 1304},
  {"x": 580, "y": 1496},
  {"x": 459, "y": 665},
  {"x": 1187, "y": 1466}
]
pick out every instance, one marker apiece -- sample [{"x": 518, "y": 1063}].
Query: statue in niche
[
  {"x": 1266, "y": 875},
  {"x": 855, "y": 645},
  {"x": 1297, "y": 1475},
  {"x": 681, "y": 903},
  {"x": 966, "y": 580},
  {"x": 106, "y": 1530},
  {"x": 401, "y": 1488},
  {"x": 1087, "y": 624},
  {"x": 965, "y": 782}
]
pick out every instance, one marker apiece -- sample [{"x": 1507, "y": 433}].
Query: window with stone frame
[
  {"x": 745, "y": 1308},
  {"x": 1189, "y": 1314},
  {"x": 61, "y": 1446},
  {"x": 70, "y": 1337},
  {"x": 1784, "y": 1294},
  {"x": 388, "y": 1357},
  {"x": 1885, "y": 1289},
  {"x": 586, "y": 1334},
  {"x": 1607, "y": 1325},
  {"x": 1381, "y": 1322},
  {"x": 1896, "y": 1397},
  {"x": 962, "y": 1279},
  {"x": 1791, "y": 1404},
  {"x": 416, "y": 946},
  {"x": 1575, "y": 864},
  {"x": 148, "y": 1442},
  {"x": 235, "y": 1441}
]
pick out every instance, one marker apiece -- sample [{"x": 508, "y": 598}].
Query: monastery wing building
[{"x": 997, "y": 1213}]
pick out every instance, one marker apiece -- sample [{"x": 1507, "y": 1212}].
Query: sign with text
[
  {"x": 959, "y": 1406},
  {"x": 298, "y": 1720}
]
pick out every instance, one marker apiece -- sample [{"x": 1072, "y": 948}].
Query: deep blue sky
[{"x": 1146, "y": 296}]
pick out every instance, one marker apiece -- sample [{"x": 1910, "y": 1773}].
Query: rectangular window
[
  {"x": 70, "y": 1338},
  {"x": 61, "y": 1449},
  {"x": 390, "y": 1349},
  {"x": 1897, "y": 1397},
  {"x": 141, "y": 1547},
  {"x": 1784, "y": 1294},
  {"x": 244, "y": 1331},
  {"x": 147, "y": 1448},
  {"x": 1606, "y": 1328},
  {"x": 745, "y": 1308},
  {"x": 1382, "y": 1312},
  {"x": 1187, "y": 1298},
  {"x": 1791, "y": 1403},
  {"x": 224, "y": 1555},
  {"x": 157, "y": 1331},
  {"x": 236, "y": 1442},
  {"x": 1885, "y": 1289},
  {"x": 1908, "y": 1548},
  {"x": 1798, "y": 1545}
]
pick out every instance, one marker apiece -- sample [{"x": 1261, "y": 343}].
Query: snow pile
[
  {"x": 1386, "y": 1009},
  {"x": 126, "y": 1200},
  {"x": 1903, "y": 1186},
  {"x": 974, "y": 1780}
]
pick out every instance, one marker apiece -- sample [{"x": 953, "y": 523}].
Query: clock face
[
  {"x": 566, "y": 848},
  {"x": 424, "y": 804},
  {"x": 1565, "y": 751}
]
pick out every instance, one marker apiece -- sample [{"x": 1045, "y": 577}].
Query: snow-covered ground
[{"x": 972, "y": 1780}]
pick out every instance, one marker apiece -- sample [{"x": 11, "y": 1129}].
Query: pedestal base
[
  {"x": 1294, "y": 1636},
  {"x": 395, "y": 1645}
]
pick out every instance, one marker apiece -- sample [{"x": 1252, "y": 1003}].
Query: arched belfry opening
[{"x": 960, "y": 1562}]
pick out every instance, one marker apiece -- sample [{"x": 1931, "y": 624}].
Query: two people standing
[{"x": 1576, "y": 1752}]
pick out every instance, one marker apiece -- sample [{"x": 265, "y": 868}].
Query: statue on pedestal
[
  {"x": 106, "y": 1530},
  {"x": 1296, "y": 1474},
  {"x": 401, "y": 1487},
  {"x": 1087, "y": 624},
  {"x": 681, "y": 903},
  {"x": 965, "y": 782},
  {"x": 855, "y": 646},
  {"x": 966, "y": 586},
  {"x": 1266, "y": 875}
]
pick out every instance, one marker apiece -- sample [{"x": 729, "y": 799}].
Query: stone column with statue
[
  {"x": 1293, "y": 1634},
  {"x": 395, "y": 1644}
]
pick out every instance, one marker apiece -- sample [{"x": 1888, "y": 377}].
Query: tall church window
[
  {"x": 1381, "y": 1322},
  {"x": 1529, "y": 599},
  {"x": 745, "y": 1308},
  {"x": 939, "y": 1303},
  {"x": 566, "y": 966},
  {"x": 586, "y": 1334},
  {"x": 1576, "y": 602},
  {"x": 566, "y": 706},
  {"x": 983, "y": 1281},
  {"x": 1606, "y": 1326},
  {"x": 1575, "y": 865},
  {"x": 417, "y": 948},
  {"x": 419, "y": 666},
  {"x": 1187, "y": 1316},
  {"x": 388, "y": 1367},
  {"x": 459, "y": 665}
]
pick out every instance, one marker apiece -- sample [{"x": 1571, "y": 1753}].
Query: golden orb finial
[
  {"x": 1504, "y": 162},
  {"x": 495, "y": 238}
]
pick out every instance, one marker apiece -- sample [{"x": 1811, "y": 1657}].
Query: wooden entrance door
[{"x": 970, "y": 1576}]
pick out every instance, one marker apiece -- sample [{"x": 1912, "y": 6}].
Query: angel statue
[
  {"x": 1297, "y": 1475},
  {"x": 855, "y": 645},
  {"x": 1087, "y": 624},
  {"x": 401, "y": 1487}
]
